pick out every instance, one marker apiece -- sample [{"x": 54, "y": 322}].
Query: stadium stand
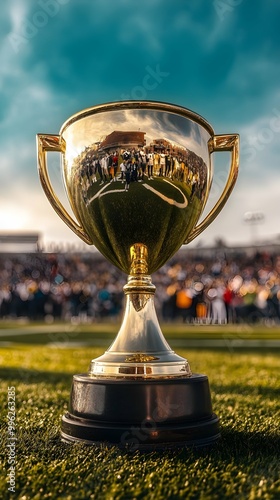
[{"x": 197, "y": 285}]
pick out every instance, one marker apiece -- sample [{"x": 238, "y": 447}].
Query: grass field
[{"x": 245, "y": 387}]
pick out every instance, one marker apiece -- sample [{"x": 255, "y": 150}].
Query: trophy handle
[
  {"x": 48, "y": 142},
  {"x": 228, "y": 142}
]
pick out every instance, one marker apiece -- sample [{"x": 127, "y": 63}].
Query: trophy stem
[
  {"x": 140, "y": 394},
  {"x": 140, "y": 349}
]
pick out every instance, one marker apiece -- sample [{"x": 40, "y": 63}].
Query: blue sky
[{"x": 220, "y": 58}]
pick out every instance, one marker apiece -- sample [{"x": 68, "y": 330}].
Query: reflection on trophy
[{"x": 138, "y": 176}]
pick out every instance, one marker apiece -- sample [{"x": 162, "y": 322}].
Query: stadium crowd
[{"x": 224, "y": 287}]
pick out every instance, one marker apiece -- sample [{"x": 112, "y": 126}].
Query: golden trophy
[{"x": 138, "y": 175}]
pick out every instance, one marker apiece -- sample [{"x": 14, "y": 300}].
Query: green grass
[
  {"x": 245, "y": 388},
  {"x": 60, "y": 332}
]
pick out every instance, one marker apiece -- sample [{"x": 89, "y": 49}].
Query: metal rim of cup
[{"x": 152, "y": 105}]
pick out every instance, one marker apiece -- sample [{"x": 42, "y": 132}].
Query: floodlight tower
[{"x": 254, "y": 219}]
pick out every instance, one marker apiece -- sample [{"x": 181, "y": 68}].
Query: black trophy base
[{"x": 141, "y": 414}]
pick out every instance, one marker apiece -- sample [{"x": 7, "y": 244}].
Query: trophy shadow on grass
[
  {"x": 246, "y": 390},
  {"x": 242, "y": 442},
  {"x": 236, "y": 445}
]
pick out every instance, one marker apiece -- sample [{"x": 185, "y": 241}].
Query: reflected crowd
[
  {"x": 221, "y": 288},
  {"x": 139, "y": 164}
]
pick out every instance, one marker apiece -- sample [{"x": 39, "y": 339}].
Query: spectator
[{"x": 219, "y": 289}]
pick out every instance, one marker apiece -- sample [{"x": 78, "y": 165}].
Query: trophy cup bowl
[{"x": 138, "y": 175}]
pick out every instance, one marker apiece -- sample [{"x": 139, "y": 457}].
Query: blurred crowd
[{"x": 221, "y": 288}]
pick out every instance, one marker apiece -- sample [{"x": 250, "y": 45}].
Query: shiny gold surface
[
  {"x": 220, "y": 143},
  {"x": 140, "y": 358},
  {"x": 140, "y": 349},
  {"x": 138, "y": 176},
  {"x": 138, "y": 258},
  {"x": 161, "y": 208},
  {"x": 45, "y": 143}
]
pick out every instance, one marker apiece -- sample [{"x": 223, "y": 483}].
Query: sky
[{"x": 219, "y": 58}]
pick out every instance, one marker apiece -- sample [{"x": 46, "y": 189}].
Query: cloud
[
  {"x": 260, "y": 147},
  {"x": 91, "y": 52}
]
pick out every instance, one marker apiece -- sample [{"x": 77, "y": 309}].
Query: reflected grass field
[{"x": 245, "y": 389}]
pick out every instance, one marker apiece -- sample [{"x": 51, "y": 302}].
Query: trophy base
[{"x": 144, "y": 414}]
